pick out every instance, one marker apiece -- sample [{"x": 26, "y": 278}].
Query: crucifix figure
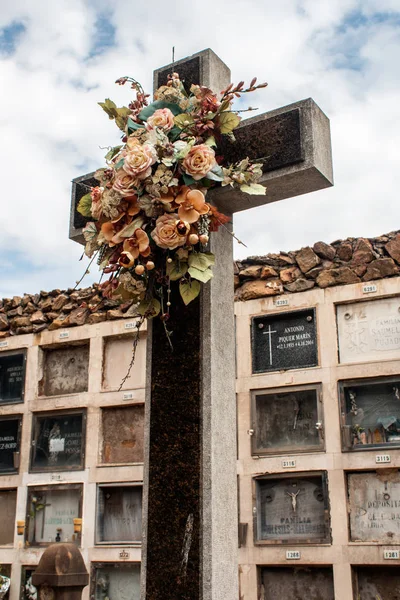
[
  {"x": 190, "y": 424},
  {"x": 269, "y": 334},
  {"x": 293, "y": 496}
]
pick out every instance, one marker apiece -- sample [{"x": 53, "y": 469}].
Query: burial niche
[
  {"x": 12, "y": 376},
  {"x": 8, "y": 503},
  {"x": 292, "y": 509},
  {"x": 115, "y": 580},
  {"x": 288, "y": 420},
  {"x": 123, "y": 434},
  {"x": 58, "y": 441},
  {"x": 374, "y": 499},
  {"x": 119, "y": 514},
  {"x": 28, "y": 590},
  {"x": 376, "y": 582},
  {"x": 65, "y": 370},
  {"x": 284, "y": 341},
  {"x": 297, "y": 583},
  {"x": 51, "y": 512},
  {"x": 117, "y": 357},
  {"x": 10, "y": 433},
  {"x": 370, "y": 412}
]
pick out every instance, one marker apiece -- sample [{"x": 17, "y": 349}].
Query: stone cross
[{"x": 190, "y": 531}]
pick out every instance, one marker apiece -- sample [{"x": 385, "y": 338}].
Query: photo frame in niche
[
  {"x": 12, "y": 376},
  {"x": 51, "y": 510},
  {"x": 284, "y": 341},
  {"x": 58, "y": 441},
  {"x": 119, "y": 514},
  {"x": 10, "y": 442},
  {"x": 115, "y": 580},
  {"x": 370, "y": 413},
  {"x": 292, "y": 509},
  {"x": 287, "y": 419}
]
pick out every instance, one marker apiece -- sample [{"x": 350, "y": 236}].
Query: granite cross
[{"x": 190, "y": 532}]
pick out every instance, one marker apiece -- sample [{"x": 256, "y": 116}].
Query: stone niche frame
[
  {"x": 59, "y": 414},
  {"x": 287, "y": 391},
  {"x": 100, "y": 514},
  {"x": 139, "y": 365},
  {"x": 309, "y": 573},
  {"x": 260, "y": 321},
  {"x": 325, "y": 540},
  {"x": 381, "y": 577},
  {"x": 19, "y": 399},
  {"x": 102, "y": 439},
  {"x": 45, "y": 384},
  {"x": 17, "y": 454},
  {"x": 36, "y": 490},
  {"x": 121, "y": 566},
  {"x": 347, "y": 429}
]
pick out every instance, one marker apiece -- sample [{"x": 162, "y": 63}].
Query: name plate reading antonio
[
  {"x": 293, "y": 554},
  {"x": 382, "y": 458},
  {"x": 284, "y": 341},
  {"x": 391, "y": 554}
]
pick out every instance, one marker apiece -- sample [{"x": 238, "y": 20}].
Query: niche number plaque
[
  {"x": 293, "y": 554},
  {"x": 289, "y": 464},
  {"x": 391, "y": 554},
  {"x": 382, "y": 458}
]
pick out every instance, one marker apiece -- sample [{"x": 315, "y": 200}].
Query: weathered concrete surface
[
  {"x": 61, "y": 573},
  {"x": 65, "y": 370}
]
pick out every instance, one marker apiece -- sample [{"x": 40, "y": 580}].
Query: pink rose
[
  {"x": 138, "y": 159},
  {"x": 166, "y": 234},
  {"x": 161, "y": 118},
  {"x": 124, "y": 184},
  {"x": 199, "y": 161}
]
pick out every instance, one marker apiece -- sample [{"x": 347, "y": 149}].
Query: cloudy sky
[{"x": 58, "y": 58}]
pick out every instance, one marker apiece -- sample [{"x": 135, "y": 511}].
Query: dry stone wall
[{"x": 339, "y": 263}]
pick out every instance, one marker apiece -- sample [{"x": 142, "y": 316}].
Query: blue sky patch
[
  {"x": 9, "y": 37},
  {"x": 103, "y": 36}
]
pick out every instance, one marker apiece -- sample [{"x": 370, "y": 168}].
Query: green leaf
[
  {"x": 228, "y": 121},
  {"x": 188, "y": 180},
  {"x": 202, "y": 276},
  {"x": 90, "y": 231},
  {"x": 201, "y": 260},
  {"x": 189, "y": 290},
  {"x": 132, "y": 126},
  {"x": 255, "y": 189},
  {"x": 176, "y": 270},
  {"x": 183, "y": 120},
  {"x": 85, "y": 205},
  {"x": 151, "y": 109},
  {"x": 109, "y": 107},
  {"x": 210, "y": 141},
  {"x": 119, "y": 164},
  {"x": 113, "y": 152},
  {"x": 149, "y": 308},
  {"x": 214, "y": 177}
]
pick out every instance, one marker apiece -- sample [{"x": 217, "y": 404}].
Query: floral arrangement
[{"x": 151, "y": 221}]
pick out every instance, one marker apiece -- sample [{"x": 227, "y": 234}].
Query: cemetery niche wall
[
  {"x": 10, "y": 439},
  {"x": 28, "y": 591},
  {"x": 370, "y": 413},
  {"x": 122, "y": 434},
  {"x": 376, "y": 582},
  {"x": 369, "y": 330},
  {"x": 12, "y": 376},
  {"x": 296, "y": 583},
  {"x": 284, "y": 341},
  {"x": 287, "y": 420},
  {"x": 51, "y": 510},
  {"x": 117, "y": 355},
  {"x": 292, "y": 509},
  {"x": 115, "y": 580},
  {"x": 374, "y": 499},
  {"x": 119, "y": 514},
  {"x": 58, "y": 441},
  {"x": 65, "y": 370},
  {"x": 8, "y": 503}
]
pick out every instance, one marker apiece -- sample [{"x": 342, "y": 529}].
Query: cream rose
[
  {"x": 199, "y": 161},
  {"x": 166, "y": 234},
  {"x": 124, "y": 184},
  {"x": 138, "y": 159},
  {"x": 161, "y": 118}
]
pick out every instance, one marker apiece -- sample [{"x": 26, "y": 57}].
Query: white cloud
[{"x": 343, "y": 53}]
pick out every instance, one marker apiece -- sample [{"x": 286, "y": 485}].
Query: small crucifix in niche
[
  {"x": 293, "y": 496},
  {"x": 269, "y": 334}
]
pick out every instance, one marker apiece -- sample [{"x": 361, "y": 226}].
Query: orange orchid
[
  {"x": 192, "y": 204},
  {"x": 137, "y": 244}
]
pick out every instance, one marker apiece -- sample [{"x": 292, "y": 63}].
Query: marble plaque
[
  {"x": 296, "y": 583},
  {"x": 58, "y": 442},
  {"x": 284, "y": 341},
  {"x": 119, "y": 517},
  {"x": 375, "y": 506},
  {"x": 12, "y": 371},
  {"x": 120, "y": 581},
  {"x": 52, "y": 512},
  {"x": 378, "y": 582},
  {"x": 369, "y": 331},
  {"x": 292, "y": 509},
  {"x": 9, "y": 444}
]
